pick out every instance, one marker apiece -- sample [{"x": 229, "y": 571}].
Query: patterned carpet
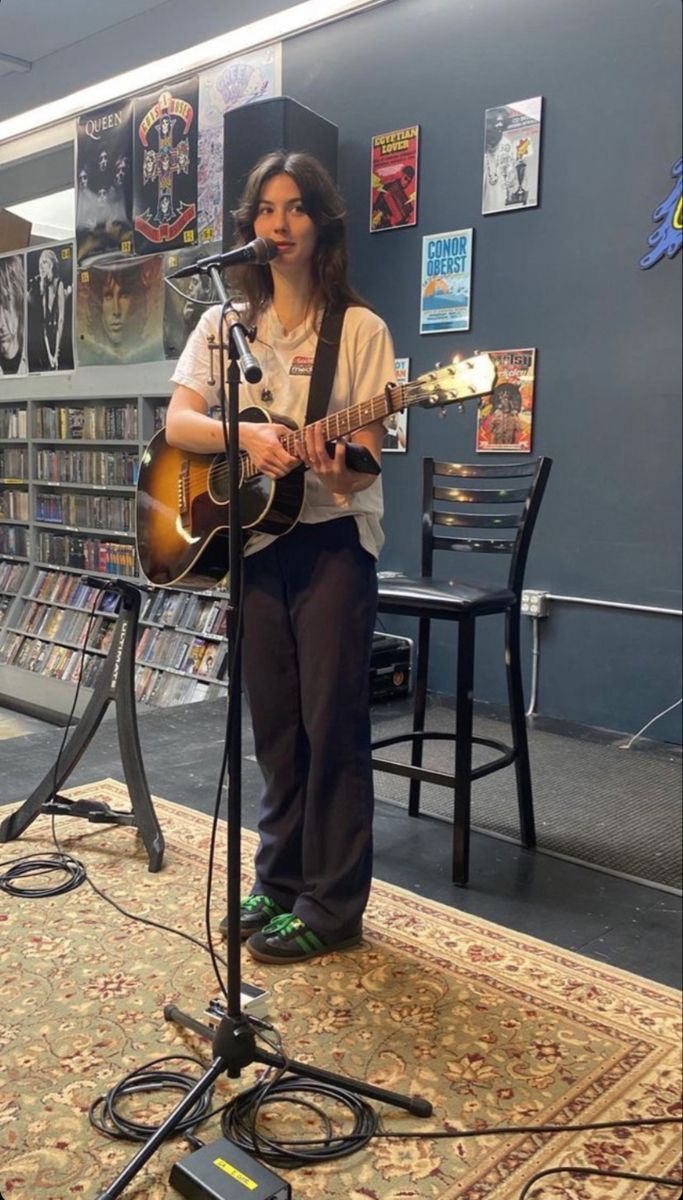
[{"x": 492, "y": 1027}]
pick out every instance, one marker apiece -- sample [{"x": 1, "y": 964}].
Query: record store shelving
[{"x": 67, "y": 497}]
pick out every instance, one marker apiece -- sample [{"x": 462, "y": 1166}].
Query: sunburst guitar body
[{"x": 182, "y": 506}]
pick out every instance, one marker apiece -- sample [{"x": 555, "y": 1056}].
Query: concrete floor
[{"x": 616, "y": 921}]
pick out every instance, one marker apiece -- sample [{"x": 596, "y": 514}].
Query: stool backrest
[{"x": 452, "y": 516}]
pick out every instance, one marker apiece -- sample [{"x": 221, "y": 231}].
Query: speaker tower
[{"x": 253, "y": 130}]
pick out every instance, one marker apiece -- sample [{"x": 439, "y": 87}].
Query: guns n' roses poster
[
  {"x": 393, "y": 202},
  {"x": 50, "y": 274},
  {"x": 165, "y": 168},
  {"x": 504, "y": 419},
  {"x": 104, "y": 190},
  {"x": 119, "y": 312}
]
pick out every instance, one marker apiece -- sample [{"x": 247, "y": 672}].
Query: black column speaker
[{"x": 253, "y": 130}]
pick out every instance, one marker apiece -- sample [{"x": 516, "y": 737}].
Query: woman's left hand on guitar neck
[{"x": 331, "y": 469}]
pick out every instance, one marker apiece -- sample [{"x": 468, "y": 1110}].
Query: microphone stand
[{"x": 234, "y": 1041}]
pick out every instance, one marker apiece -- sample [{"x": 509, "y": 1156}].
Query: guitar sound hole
[{"x": 219, "y": 480}]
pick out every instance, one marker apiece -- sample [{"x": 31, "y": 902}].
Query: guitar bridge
[{"x": 184, "y": 493}]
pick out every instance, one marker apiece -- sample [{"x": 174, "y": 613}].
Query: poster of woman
[
  {"x": 13, "y": 314},
  {"x": 50, "y": 308},
  {"x": 505, "y": 418}
]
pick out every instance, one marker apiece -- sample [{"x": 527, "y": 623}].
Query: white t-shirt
[{"x": 364, "y": 368}]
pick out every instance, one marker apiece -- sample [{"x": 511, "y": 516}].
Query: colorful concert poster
[
  {"x": 446, "y": 282},
  {"x": 165, "y": 168},
  {"x": 393, "y": 193},
  {"x": 104, "y": 182},
  {"x": 119, "y": 311},
  {"x": 13, "y": 314},
  {"x": 50, "y": 290},
  {"x": 505, "y": 418},
  {"x": 185, "y": 299},
  {"x": 396, "y": 426},
  {"x": 512, "y": 156},
  {"x": 240, "y": 81}
]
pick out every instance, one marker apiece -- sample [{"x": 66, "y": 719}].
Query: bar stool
[{"x": 453, "y": 520}]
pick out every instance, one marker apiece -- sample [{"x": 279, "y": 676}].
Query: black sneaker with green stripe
[
  {"x": 255, "y": 913},
  {"x": 289, "y": 939}
]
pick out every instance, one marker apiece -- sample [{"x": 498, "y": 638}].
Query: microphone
[{"x": 260, "y": 251}]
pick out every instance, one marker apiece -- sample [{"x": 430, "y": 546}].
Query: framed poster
[
  {"x": 505, "y": 418},
  {"x": 13, "y": 314},
  {"x": 512, "y": 150},
  {"x": 446, "y": 282},
  {"x": 393, "y": 177},
  {"x": 50, "y": 273},
  {"x": 396, "y": 430}
]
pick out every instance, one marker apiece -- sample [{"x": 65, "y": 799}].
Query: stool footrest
[{"x": 507, "y": 755}]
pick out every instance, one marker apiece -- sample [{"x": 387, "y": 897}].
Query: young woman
[
  {"x": 309, "y": 597},
  {"x": 53, "y": 305}
]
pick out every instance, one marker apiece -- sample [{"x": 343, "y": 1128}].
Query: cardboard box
[{"x": 15, "y": 232}]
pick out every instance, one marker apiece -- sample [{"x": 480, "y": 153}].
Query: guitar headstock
[{"x": 460, "y": 380}]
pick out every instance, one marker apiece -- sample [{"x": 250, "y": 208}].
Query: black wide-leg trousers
[{"x": 310, "y": 601}]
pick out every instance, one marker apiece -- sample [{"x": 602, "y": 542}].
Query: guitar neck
[{"x": 338, "y": 424}]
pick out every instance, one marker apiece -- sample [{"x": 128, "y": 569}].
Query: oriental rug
[{"x": 492, "y": 1027}]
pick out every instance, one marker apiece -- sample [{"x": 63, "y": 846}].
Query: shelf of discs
[
  {"x": 67, "y": 506},
  {"x": 14, "y": 482}
]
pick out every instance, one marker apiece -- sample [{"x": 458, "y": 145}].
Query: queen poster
[
  {"x": 104, "y": 184},
  {"x": 504, "y": 419},
  {"x": 165, "y": 168}
]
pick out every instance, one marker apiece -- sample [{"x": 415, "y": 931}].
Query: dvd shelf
[
  {"x": 68, "y": 469},
  {"x": 14, "y": 481},
  {"x": 60, "y": 627}
]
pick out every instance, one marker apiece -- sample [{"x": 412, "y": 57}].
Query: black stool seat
[
  {"x": 450, "y": 513},
  {"x": 443, "y": 598}
]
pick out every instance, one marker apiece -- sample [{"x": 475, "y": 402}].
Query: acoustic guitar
[{"x": 182, "y": 505}]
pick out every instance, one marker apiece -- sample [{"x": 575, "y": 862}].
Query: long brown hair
[{"x": 325, "y": 207}]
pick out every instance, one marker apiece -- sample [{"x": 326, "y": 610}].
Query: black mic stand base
[{"x": 235, "y": 1047}]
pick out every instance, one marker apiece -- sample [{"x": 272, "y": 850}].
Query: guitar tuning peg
[{"x": 437, "y": 366}]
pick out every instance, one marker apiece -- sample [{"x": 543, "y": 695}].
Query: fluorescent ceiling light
[
  {"x": 270, "y": 29},
  {"x": 50, "y": 216}
]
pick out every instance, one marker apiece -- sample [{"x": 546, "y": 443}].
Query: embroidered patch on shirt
[{"x": 301, "y": 365}]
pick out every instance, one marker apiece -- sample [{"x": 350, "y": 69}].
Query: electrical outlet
[{"x": 535, "y": 604}]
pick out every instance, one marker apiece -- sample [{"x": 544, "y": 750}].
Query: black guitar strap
[{"x": 324, "y": 364}]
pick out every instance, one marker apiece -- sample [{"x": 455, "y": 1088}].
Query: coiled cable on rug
[
  {"x": 105, "y": 1112},
  {"x": 21, "y": 868}
]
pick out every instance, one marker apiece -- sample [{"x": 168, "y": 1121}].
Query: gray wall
[{"x": 563, "y": 277}]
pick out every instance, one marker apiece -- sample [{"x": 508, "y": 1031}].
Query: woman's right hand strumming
[{"x": 264, "y": 447}]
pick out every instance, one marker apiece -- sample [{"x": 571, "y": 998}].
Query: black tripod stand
[
  {"x": 234, "y": 1042},
  {"x": 115, "y": 684}
]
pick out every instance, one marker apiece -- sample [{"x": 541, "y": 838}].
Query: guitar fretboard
[{"x": 337, "y": 424}]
